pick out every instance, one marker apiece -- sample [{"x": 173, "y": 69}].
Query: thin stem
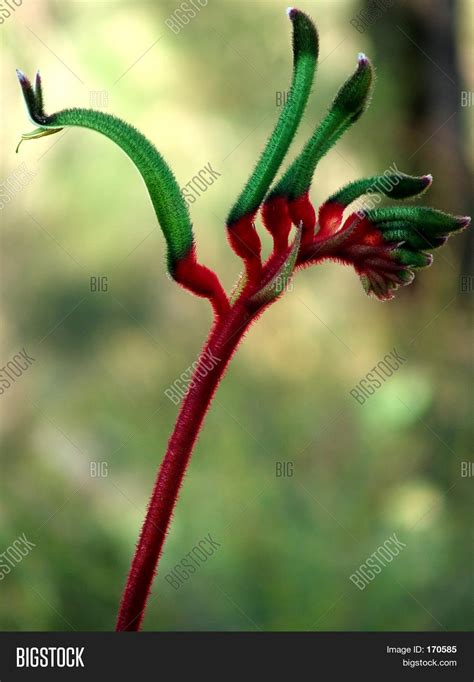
[{"x": 218, "y": 350}]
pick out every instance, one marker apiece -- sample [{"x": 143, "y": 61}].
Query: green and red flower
[{"x": 384, "y": 245}]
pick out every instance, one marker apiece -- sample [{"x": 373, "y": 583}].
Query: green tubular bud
[
  {"x": 165, "y": 194},
  {"x": 348, "y": 105},
  {"x": 305, "y": 54},
  {"x": 398, "y": 231},
  {"x": 351, "y": 100},
  {"x": 365, "y": 281},
  {"x": 407, "y": 276},
  {"x": 39, "y": 94},
  {"x": 393, "y": 185},
  {"x": 413, "y": 259},
  {"x": 429, "y": 221}
]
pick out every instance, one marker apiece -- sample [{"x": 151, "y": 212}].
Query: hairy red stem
[{"x": 216, "y": 353}]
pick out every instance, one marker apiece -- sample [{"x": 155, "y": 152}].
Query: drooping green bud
[{"x": 170, "y": 207}]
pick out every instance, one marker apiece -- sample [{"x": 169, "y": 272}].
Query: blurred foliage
[{"x": 103, "y": 360}]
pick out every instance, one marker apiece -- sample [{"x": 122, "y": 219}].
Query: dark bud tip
[
  {"x": 362, "y": 60},
  {"x": 427, "y": 179},
  {"x": 24, "y": 82},
  {"x": 463, "y": 221},
  {"x": 292, "y": 13}
]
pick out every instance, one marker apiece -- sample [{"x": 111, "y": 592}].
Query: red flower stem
[{"x": 218, "y": 350}]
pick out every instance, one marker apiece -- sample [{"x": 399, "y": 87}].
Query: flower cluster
[{"x": 384, "y": 245}]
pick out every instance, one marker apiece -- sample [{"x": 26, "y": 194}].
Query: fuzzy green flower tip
[
  {"x": 352, "y": 99},
  {"x": 430, "y": 221},
  {"x": 393, "y": 185},
  {"x": 348, "y": 105},
  {"x": 170, "y": 207},
  {"x": 385, "y": 245},
  {"x": 393, "y": 242},
  {"x": 305, "y": 54},
  {"x": 305, "y": 37}
]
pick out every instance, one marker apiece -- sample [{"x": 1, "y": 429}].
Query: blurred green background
[{"x": 95, "y": 393}]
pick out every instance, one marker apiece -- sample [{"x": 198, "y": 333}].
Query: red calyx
[
  {"x": 201, "y": 281},
  {"x": 302, "y": 213},
  {"x": 246, "y": 244},
  {"x": 276, "y": 218},
  {"x": 330, "y": 217}
]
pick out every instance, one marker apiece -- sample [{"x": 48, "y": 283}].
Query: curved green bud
[
  {"x": 348, "y": 105},
  {"x": 393, "y": 185},
  {"x": 414, "y": 259},
  {"x": 164, "y": 191},
  {"x": 429, "y": 221},
  {"x": 305, "y": 54},
  {"x": 411, "y": 236}
]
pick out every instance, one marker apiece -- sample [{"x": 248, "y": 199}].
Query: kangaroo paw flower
[
  {"x": 240, "y": 222},
  {"x": 384, "y": 245}
]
